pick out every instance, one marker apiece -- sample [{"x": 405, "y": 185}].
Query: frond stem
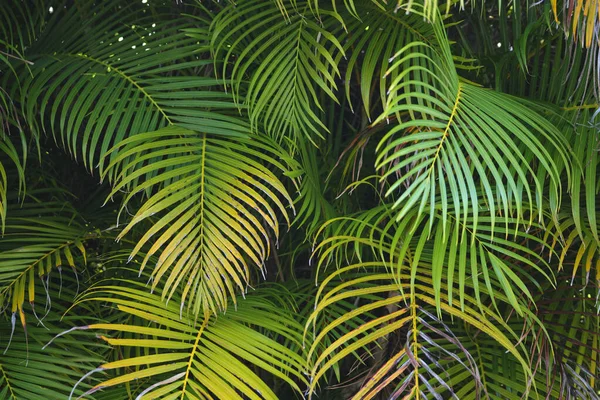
[
  {"x": 415, "y": 345},
  {"x": 447, "y": 129},
  {"x": 7, "y": 382},
  {"x": 192, "y": 354},
  {"x": 581, "y": 107},
  {"x": 127, "y": 78}
]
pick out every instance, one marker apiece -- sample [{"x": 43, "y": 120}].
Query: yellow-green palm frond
[
  {"x": 216, "y": 207},
  {"x": 498, "y": 258},
  {"x": 279, "y": 65},
  {"x": 213, "y": 357},
  {"x": 40, "y": 239},
  {"x": 418, "y": 365},
  {"x": 453, "y": 138}
]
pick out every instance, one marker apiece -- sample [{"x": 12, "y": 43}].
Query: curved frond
[
  {"x": 213, "y": 358},
  {"x": 417, "y": 367},
  {"x": 372, "y": 41},
  {"x": 129, "y": 74},
  {"x": 496, "y": 258},
  {"x": 40, "y": 239},
  {"x": 288, "y": 63},
  {"x": 218, "y": 206},
  {"x": 453, "y": 138}
]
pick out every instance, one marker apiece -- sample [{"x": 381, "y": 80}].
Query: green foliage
[{"x": 299, "y": 199}]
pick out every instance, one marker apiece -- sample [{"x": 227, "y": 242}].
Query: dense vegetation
[{"x": 286, "y": 199}]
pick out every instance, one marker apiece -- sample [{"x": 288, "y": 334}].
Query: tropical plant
[{"x": 299, "y": 199}]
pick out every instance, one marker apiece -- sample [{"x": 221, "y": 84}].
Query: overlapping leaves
[
  {"x": 40, "y": 240},
  {"x": 218, "y": 207},
  {"x": 281, "y": 71},
  {"x": 453, "y": 138},
  {"x": 207, "y": 359},
  {"x": 128, "y": 75},
  {"x": 30, "y": 371}
]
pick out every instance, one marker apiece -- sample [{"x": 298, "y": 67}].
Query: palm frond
[
  {"x": 40, "y": 239},
  {"x": 207, "y": 359},
  {"x": 286, "y": 61},
  {"x": 312, "y": 203},
  {"x": 218, "y": 204},
  {"x": 497, "y": 258},
  {"x": 453, "y": 137},
  {"x": 372, "y": 41},
  {"x": 570, "y": 313},
  {"x": 29, "y": 371},
  {"x": 413, "y": 368},
  {"x": 127, "y": 75}
]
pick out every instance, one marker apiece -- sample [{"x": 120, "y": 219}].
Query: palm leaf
[
  {"x": 287, "y": 66},
  {"x": 218, "y": 207},
  {"x": 495, "y": 259},
  {"x": 453, "y": 138},
  {"x": 39, "y": 240},
  {"x": 204, "y": 360},
  {"x": 127, "y": 75},
  {"x": 408, "y": 370},
  {"x": 28, "y": 369},
  {"x": 372, "y": 41}
]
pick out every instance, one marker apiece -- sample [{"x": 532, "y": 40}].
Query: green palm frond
[
  {"x": 312, "y": 203},
  {"x": 280, "y": 64},
  {"x": 571, "y": 315},
  {"x": 131, "y": 73},
  {"x": 371, "y": 43},
  {"x": 580, "y": 251},
  {"x": 39, "y": 240},
  {"x": 586, "y": 185},
  {"x": 214, "y": 357},
  {"x": 400, "y": 312},
  {"x": 18, "y": 27},
  {"x": 12, "y": 171},
  {"x": 218, "y": 206},
  {"x": 29, "y": 371},
  {"x": 453, "y": 138},
  {"x": 497, "y": 258}
]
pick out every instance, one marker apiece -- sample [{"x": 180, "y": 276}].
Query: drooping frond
[
  {"x": 30, "y": 371},
  {"x": 312, "y": 204},
  {"x": 426, "y": 353},
  {"x": 218, "y": 205},
  {"x": 586, "y": 183},
  {"x": 497, "y": 258},
  {"x": 280, "y": 65},
  {"x": 40, "y": 239},
  {"x": 131, "y": 73},
  {"x": 214, "y": 357},
  {"x": 372, "y": 41},
  {"x": 453, "y": 138}
]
